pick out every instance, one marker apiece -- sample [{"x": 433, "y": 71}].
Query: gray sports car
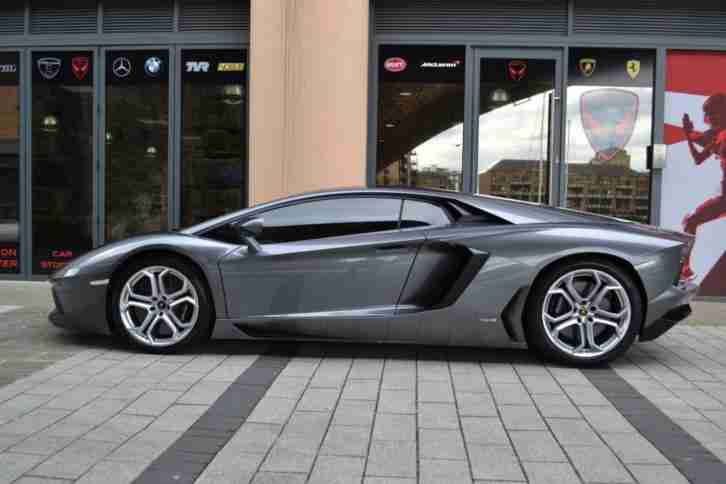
[{"x": 388, "y": 265}]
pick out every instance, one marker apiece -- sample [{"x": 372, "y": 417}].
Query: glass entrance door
[
  {"x": 516, "y": 128},
  {"x": 136, "y": 142}
]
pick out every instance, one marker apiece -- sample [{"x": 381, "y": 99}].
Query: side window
[
  {"x": 329, "y": 218},
  {"x": 422, "y": 214}
]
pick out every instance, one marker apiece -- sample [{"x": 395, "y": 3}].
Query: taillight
[{"x": 686, "y": 249}]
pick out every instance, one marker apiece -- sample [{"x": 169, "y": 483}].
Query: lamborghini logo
[
  {"x": 633, "y": 68},
  {"x": 587, "y": 67}
]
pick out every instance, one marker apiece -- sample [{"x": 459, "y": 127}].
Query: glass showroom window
[
  {"x": 609, "y": 127},
  {"x": 214, "y": 140},
  {"x": 137, "y": 142},
  {"x": 62, "y": 152},
  {"x": 420, "y": 116},
  {"x": 9, "y": 162}
]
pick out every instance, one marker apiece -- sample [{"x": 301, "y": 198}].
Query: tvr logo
[{"x": 194, "y": 66}]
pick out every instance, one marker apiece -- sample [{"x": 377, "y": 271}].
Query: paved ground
[{"x": 79, "y": 409}]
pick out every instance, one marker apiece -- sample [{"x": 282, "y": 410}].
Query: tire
[
  {"x": 548, "y": 308},
  {"x": 133, "y": 300}
]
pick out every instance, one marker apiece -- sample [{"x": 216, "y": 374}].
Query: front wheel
[
  {"x": 160, "y": 305},
  {"x": 584, "y": 313}
]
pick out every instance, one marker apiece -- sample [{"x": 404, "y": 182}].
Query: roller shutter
[
  {"x": 548, "y": 17},
  {"x": 125, "y": 16},
  {"x": 214, "y": 15},
  {"x": 63, "y": 17},
  {"x": 705, "y": 18},
  {"x": 12, "y": 17}
]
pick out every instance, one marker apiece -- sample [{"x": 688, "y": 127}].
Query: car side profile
[{"x": 388, "y": 265}]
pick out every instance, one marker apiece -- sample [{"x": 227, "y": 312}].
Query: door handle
[{"x": 389, "y": 248}]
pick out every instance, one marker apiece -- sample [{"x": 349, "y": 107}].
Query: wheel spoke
[
  {"x": 150, "y": 318},
  {"x": 606, "y": 322},
  {"x": 175, "y": 320},
  {"x": 153, "y": 283},
  {"x": 590, "y": 333},
  {"x": 567, "y": 324},
  {"x": 583, "y": 342},
  {"x": 187, "y": 299},
  {"x": 170, "y": 325},
  {"x": 151, "y": 326},
  {"x": 572, "y": 290},
  {"x": 137, "y": 304},
  {"x": 608, "y": 314},
  {"x": 595, "y": 288},
  {"x": 160, "y": 278},
  {"x": 177, "y": 294}
]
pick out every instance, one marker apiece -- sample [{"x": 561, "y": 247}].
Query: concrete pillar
[{"x": 308, "y": 96}]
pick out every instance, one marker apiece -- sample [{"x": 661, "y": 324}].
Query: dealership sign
[{"x": 395, "y": 64}]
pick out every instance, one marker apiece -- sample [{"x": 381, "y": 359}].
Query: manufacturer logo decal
[
  {"x": 152, "y": 66},
  {"x": 49, "y": 67},
  {"x": 231, "y": 67},
  {"x": 587, "y": 67},
  {"x": 121, "y": 67},
  {"x": 608, "y": 118},
  {"x": 517, "y": 70},
  {"x": 8, "y": 68},
  {"x": 633, "y": 68},
  {"x": 194, "y": 66},
  {"x": 395, "y": 64},
  {"x": 80, "y": 67},
  {"x": 441, "y": 65}
]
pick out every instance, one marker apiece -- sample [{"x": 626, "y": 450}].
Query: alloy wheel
[
  {"x": 159, "y": 306},
  {"x": 586, "y": 313}
]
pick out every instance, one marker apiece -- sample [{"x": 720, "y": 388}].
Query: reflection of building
[
  {"x": 407, "y": 172},
  {"x": 611, "y": 188}
]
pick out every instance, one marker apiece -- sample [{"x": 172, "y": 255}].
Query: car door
[{"x": 332, "y": 267}]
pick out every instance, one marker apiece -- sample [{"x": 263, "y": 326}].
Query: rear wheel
[
  {"x": 585, "y": 313},
  {"x": 161, "y": 305}
]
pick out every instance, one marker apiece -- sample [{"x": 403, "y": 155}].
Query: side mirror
[{"x": 249, "y": 230}]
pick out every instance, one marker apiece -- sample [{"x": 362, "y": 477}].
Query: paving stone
[
  {"x": 74, "y": 460},
  {"x": 287, "y": 387},
  {"x": 441, "y": 444},
  {"x": 510, "y": 394},
  {"x": 585, "y": 395},
  {"x": 203, "y": 393},
  {"x": 397, "y": 401},
  {"x": 144, "y": 447},
  {"x": 448, "y": 471},
  {"x": 541, "y": 384},
  {"x": 555, "y": 406},
  {"x": 550, "y": 473},
  {"x": 272, "y": 410},
  {"x": 476, "y": 404},
  {"x": 279, "y": 478},
  {"x": 230, "y": 468},
  {"x": 178, "y": 418},
  {"x": 41, "y": 480},
  {"x": 319, "y": 399},
  {"x": 96, "y": 412},
  {"x": 521, "y": 417},
  {"x": 291, "y": 455},
  {"x": 112, "y": 472},
  {"x": 337, "y": 470},
  {"x": 391, "y": 458},
  {"x": 389, "y": 480},
  {"x": 597, "y": 464},
  {"x": 490, "y": 462},
  {"x": 573, "y": 432},
  {"x": 657, "y": 474},
  {"x": 255, "y": 438},
  {"x": 366, "y": 368},
  {"x": 433, "y": 370},
  {"x": 120, "y": 428},
  {"x": 13, "y": 465},
  {"x": 435, "y": 391},
  {"x": 307, "y": 425},
  {"x": 391, "y": 426},
  {"x": 76, "y": 397},
  {"x": 437, "y": 416},
  {"x": 41, "y": 444},
  {"x": 20, "y": 405},
  {"x": 633, "y": 448},
  {"x": 354, "y": 412},
  {"x": 484, "y": 430},
  {"x": 360, "y": 390},
  {"x": 33, "y": 422},
  {"x": 606, "y": 419},
  {"x": 470, "y": 382},
  {"x": 346, "y": 441},
  {"x": 500, "y": 373},
  {"x": 153, "y": 402},
  {"x": 7, "y": 441},
  {"x": 537, "y": 446}
]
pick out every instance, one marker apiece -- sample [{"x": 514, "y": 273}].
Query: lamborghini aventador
[{"x": 388, "y": 265}]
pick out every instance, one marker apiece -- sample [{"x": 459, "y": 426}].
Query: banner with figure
[{"x": 694, "y": 180}]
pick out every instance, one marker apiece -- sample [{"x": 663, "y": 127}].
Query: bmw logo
[{"x": 153, "y": 66}]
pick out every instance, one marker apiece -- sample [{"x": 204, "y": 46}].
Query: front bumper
[
  {"x": 79, "y": 306},
  {"x": 667, "y": 310}
]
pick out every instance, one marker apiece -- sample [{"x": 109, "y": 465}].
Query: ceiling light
[{"x": 499, "y": 95}]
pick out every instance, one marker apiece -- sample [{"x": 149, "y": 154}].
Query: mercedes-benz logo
[{"x": 121, "y": 67}]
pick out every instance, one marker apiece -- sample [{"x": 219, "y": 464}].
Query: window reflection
[
  {"x": 515, "y": 106},
  {"x": 62, "y": 151},
  {"x": 9, "y": 163},
  {"x": 420, "y": 116},
  {"x": 137, "y": 131},
  {"x": 214, "y": 142},
  {"x": 609, "y": 127}
]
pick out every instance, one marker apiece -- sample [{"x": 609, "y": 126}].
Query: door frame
[
  {"x": 100, "y": 179},
  {"x": 556, "y": 167}
]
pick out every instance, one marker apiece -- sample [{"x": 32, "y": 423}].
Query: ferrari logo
[
  {"x": 587, "y": 67},
  {"x": 633, "y": 68}
]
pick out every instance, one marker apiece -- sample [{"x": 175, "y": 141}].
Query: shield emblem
[
  {"x": 80, "y": 67},
  {"x": 608, "y": 118},
  {"x": 587, "y": 67},
  {"x": 633, "y": 68},
  {"x": 49, "y": 67},
  {"x": 517, "y": 70}
]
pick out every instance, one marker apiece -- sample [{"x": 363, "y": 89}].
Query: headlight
[{"x": 72, "y": 271}]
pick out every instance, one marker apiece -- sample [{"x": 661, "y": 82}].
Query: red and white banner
[{"x": 694, "y": 180}]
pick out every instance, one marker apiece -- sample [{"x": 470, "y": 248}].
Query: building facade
[{"x": 122, "y": 117}]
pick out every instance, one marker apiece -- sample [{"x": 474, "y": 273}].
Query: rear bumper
[
  {"x": 667, "y": 310},
  {"x": 670, "y": 319}
]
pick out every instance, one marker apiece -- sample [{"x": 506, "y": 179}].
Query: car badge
[
  {"x": 80, "y": 67},
  {"x": 633, "y": 68},
  {"x": 49, "y": 67},
  {"x": 197, "y": 66},
  {"x": 608, "y": 118},
  {"x": 152, "y": 66},
  {"x": 121, "y": 67},
  {"x": 587, "y": 67},
  {"x": 231, "y": 67},
  {"x": 395, "y": 64},
  {"x": 517, "y": 70}
]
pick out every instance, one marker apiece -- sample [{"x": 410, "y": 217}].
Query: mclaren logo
[
  {"x": 195, "y": 66},
  {"x": 441, "y": 65}
]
